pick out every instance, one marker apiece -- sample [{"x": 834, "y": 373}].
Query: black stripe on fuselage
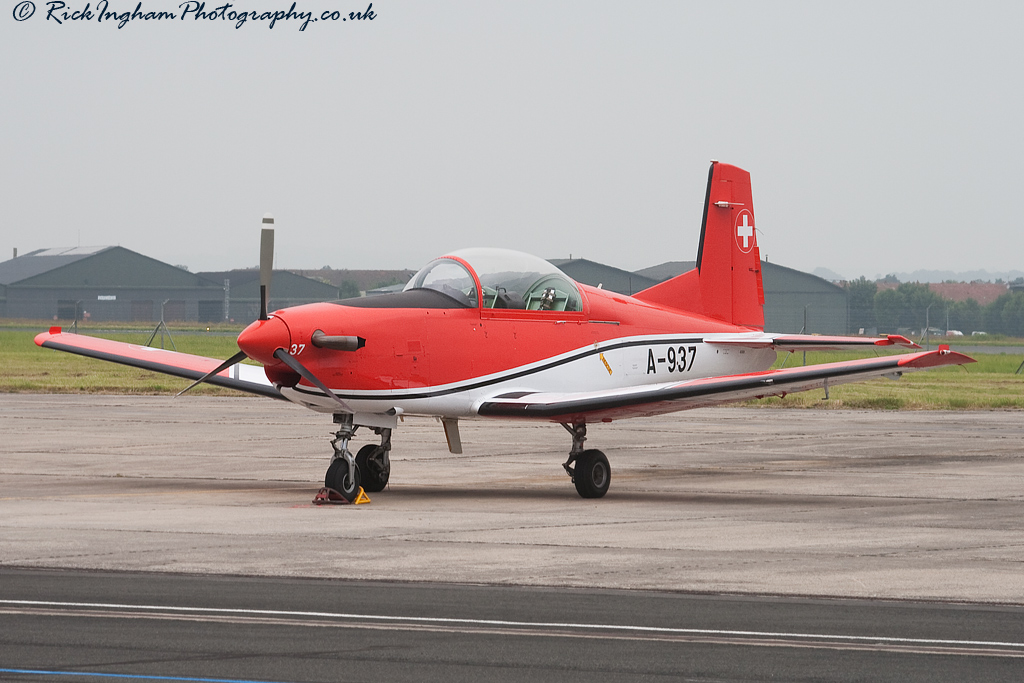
[{"x": 504, "y": 378}]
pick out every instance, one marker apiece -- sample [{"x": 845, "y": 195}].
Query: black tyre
[
  {"x": 338, "y": 479},
  {"x": 591, "y": 474},
  {"x": 374, "y": 468}
]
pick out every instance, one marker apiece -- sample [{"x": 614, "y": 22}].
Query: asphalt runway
[{"x": 74, "y": 626}]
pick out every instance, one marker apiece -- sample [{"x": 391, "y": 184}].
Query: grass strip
[{"x": 989, "y": 384}]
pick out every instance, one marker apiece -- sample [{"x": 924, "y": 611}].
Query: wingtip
[
  {"x": 43, "y": 337},
  {"x": 932, "y": 359},
  {"x": 897, "y": 340}
]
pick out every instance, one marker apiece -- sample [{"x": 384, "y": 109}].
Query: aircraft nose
[{"x": 262, "y": 338}]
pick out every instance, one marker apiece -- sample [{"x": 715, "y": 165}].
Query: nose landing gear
[
  {"x": 343, "y": 474},
  {"x": 369, "y": 468}
]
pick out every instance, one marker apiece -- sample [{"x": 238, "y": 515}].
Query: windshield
[
  {"x": 509, "y": 279},
  {"x": 447, "y": 276}
]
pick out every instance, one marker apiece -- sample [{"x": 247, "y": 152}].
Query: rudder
[{"x": 726, "y": 284}]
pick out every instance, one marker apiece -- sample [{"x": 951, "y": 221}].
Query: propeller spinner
[{"x": 267, "y": 339}]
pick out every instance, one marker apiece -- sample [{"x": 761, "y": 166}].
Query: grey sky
[{"x": 880, "y": 137}]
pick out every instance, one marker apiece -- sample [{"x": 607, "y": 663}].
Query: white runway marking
[{"x": 932, "y": 645}]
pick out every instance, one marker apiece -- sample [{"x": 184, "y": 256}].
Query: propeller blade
[
  {"x": 237, "y": 358},
  {"x": 293, "y": 362},
  {"x": 266, "y": 263}
]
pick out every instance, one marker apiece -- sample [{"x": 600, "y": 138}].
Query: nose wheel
[
  {"x": 343, "y": 474},
  {"x": 343, "y": 478},
  {"x": 370, "y": 468},
  {"x": 588, "y": 468}
]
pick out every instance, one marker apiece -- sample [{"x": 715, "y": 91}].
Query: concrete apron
[{"x": 923, "y": 505}]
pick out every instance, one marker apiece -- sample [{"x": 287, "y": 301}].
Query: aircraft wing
[
  {"x": 247, "y": 378},
  {"x": 657, "y": 399},
  {"x": 807, "y": 342}
]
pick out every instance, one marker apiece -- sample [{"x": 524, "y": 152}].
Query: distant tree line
[{"x": 905, "y": 306}]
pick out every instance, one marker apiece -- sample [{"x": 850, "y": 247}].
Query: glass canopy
[{"x": 509, "y": 279}]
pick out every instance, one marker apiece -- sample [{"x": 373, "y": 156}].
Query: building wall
[
  {"x": 114, "y": 284},
  {"x": 127, "y": 304},
  {"x": 286, "y": 289},
  {"x": 787, "y": 292},
  {"x": 248, "y": 309},
  {"x": 612, "y": 279}
]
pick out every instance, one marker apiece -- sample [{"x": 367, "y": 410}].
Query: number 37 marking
[{"x": 676, "y": 359}]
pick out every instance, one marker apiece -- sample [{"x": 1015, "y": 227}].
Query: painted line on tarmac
[
  {"x": 151, "y": 494},
  {"x": 481, "y": 626},
  {"x": 137, "y": 677}
]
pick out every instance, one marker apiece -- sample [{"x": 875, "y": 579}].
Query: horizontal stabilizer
[{"x": 807, "y": 342}]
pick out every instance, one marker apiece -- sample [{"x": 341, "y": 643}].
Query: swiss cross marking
[{"x": 745, "y": 231}]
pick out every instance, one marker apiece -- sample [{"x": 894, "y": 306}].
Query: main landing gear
[
  {"x": 369, "y": 468},
  {"x": 588, "y": 468}
]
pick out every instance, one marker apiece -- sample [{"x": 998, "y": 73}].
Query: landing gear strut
[
  {"x": 588, "y": 468},
  {"x": 370, "y": 467},
  {"x": 343, "y": 474}
]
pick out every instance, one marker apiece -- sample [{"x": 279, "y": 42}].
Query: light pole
[
  {"x": 803, "y": 330},
  {"x": 927, "y": 342}
]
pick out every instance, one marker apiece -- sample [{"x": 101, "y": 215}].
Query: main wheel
[
  {"x": 338, "y": 479},
  {"x": 591, "y": 474},
  {"x": 374, "y": 468}
]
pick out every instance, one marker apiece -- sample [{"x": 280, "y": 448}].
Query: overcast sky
[{"x": 880, "y": 137}]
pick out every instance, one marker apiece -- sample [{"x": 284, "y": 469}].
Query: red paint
[{"x": 726, "y": 285}]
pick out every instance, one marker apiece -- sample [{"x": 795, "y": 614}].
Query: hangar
[
  {"x": 114, "y": 283},
  {"x": 594, "y": 274},
  {"x": 241, "y": 292},
  {"x": 789, "y": 294},
  {"x": 104, "y": 283}
]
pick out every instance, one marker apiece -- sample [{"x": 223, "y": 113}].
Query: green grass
[
  {"x": 979, "y": 340},
  {"x": 23, "y": 324},
  {"x": 24, "y": 367},
  {"x": 27, "y": 368},
  {"x": 989, "y": 384}
]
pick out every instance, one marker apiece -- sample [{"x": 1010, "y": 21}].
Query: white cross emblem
[{"x": 746, "y": 232}]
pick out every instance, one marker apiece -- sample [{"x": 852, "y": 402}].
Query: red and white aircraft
[{"x": 493, "y": 333}]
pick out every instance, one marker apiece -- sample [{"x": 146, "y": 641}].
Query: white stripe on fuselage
[{"x": 632, "y": 361}]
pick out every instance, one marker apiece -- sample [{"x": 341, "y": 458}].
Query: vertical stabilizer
[{"x": 726, "y": 284}]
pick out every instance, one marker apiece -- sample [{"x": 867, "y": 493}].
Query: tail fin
[{"x": 726, "y": 284}]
